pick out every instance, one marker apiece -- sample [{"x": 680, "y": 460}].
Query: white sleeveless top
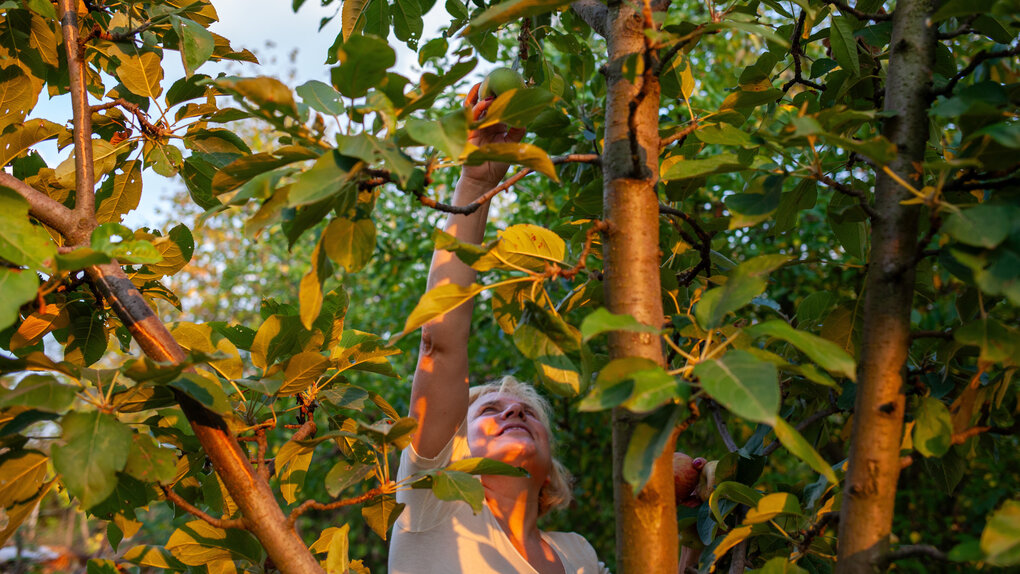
[{"x": 435, "y": 536}]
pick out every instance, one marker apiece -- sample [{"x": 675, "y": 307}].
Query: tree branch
[
  {"x": 680, "y": 135},
  {"x": 143, "y": 120},
  {"x": 982, "y": 57},
  {"x": 796, "y": 51},
  {"x": 472, "y": 207},
  {"x": 845, "y": 189},
  {"x": 85, "y": 178},
  {"x": 41, "y": 206},
  {"x": 310, "y": 504},
  {"x": 843, "y": 7},
  {"x": 720, "y": 425},
  {"x": 947, "y": 335},
  {"x": 594, "y": 13},
  {"x": 964, "y": 28},
  {"x": 910, "y": 551},
  {"x": 815, "y": 530},
  {"x": 223, "y": 523}
]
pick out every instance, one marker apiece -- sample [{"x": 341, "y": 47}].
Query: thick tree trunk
[
  {"x": 868, "y": 505},
  {"x": 262, "y": 515},
  {"x": 646, "y": 534}
]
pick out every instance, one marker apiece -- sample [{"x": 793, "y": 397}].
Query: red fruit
[{"x": 685, "y": 475}]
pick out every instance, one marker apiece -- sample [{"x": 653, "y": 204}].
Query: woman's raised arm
[{"x": 439, "y": 393}]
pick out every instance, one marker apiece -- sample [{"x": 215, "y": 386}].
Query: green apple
[{"x": 500, "y": 80}]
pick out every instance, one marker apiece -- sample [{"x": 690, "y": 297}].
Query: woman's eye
[{"x": 487, "y": 410}]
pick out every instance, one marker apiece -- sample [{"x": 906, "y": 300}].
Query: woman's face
[{"x": 506, "y": 428}]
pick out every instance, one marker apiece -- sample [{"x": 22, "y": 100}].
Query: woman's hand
[{"x": 489, "y": 173}]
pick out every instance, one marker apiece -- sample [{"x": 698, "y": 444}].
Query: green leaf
[
  {"x": 40, "y": 392},
  {"x": 292, "y": 462},
  {"x": 744, "y": 283},
  {"x": 373, "y": 150},
  {"x": 678, "y": 167},
  {"x": 18, "y": 287},
  {"x": 331, "y": 175},
  {"x": 141, "y": 74},
  {"x": 933, "y": 428},
  {"x": 545, "y": 338},
  {"x": 998, "y": 343},
  {"x": 149, "y": 463},
  {"x": 455, "y": 485},
  {"x": 802, "y": 449},
  {"x": 981, "y": 226},
  {"x": 21, "y": 242},
  {"x": 198, "y": 543},
  {"x": 120, "y": 194},
  {"x": 745, "y": 385},
  {"x": 87, "y": 338},
  {"x": 825, "y": 353},
  {"x": 647, "y": 442},
  {"x": 844, "y": 45},
  {"x": 350, "y": 13},
  {"x": 732, "y": 491},
  {"x": 509, "y": 11},
  {"x": 266, "y": 93},
  {"x": 321, "y": 96},
  {"x": 22, "y": 486},
  {"x": 205, "y": 389},
  {"x": 16, "y": 142},
  {"x": 381, "y": 513},
  {"x": 602, "y": 320},
  {"x": 337, "y": 558},
  {"x": 17, "y": 95},
  {"x": 479, "y": 465},
  {"x": 1000, "y": 540},
  {"x": 196, "y": 43},
  {"x": 438, "y": 302},
  {"x": 344, "y": 475},
  {"x": 772, "y": 505},
  {"x": 781, "y": 565},
  {"x": 124, "y": 248},
  {"x": 364, "y": 60},
  {"x": 447, "y": 134},
  {"x": 407, "y": 21},
  {"x": 638, "y": 384},
  {"x": 516, "y": 108},
  {"x": 525, "y": 154},
  {"x": 350, "y": 244},
  {"x": 302, "y": 370},
  {"x": 96, "y": 447},
  {"x": 726, "y": 134},
  {"x": 42, "y": 8},
  {"x": 362, "y": 351},
  {"x": 241, "y": 170}
]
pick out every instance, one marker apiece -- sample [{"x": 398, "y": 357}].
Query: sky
[{"x": 272, "y": 30}]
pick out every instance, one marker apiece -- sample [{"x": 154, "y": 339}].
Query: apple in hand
[{"x": 500, "y": 80}]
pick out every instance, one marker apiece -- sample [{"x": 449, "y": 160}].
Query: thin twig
[
  {"x": 474, "y": 205},
  {"x": 310, "y": 504},
  {"x": 720, "y": 425},
  {"x": 962, "y": 436},
  {"x": 947, "y": 335},
  {"x": 680, "y": 135},
  {"x": 813, "y": 531},
  {"x": 683, "y": 426},
  {"x": 910, "y": 551},
  {"x": 147, "y": 127},
  {"x": 796, "y": 51},
  {"x": 223, "y": 523},
  {"x": 553, "y": 271},
  {"x": 845, "y": 189},
  {"x": 982, "y": 57},
  {"x": 964, "y": 28},
  {"x": 843, "y": 7}
]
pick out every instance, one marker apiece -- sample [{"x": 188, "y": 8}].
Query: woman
[{"x": 506, "y": 421}]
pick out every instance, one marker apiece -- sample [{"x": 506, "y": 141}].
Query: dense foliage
[{"x": 296, "y": 293}]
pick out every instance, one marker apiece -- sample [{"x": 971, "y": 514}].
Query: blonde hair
[{"x": 556, "y": 493}]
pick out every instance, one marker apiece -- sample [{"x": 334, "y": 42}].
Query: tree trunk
[
  {"x": 646, "y": 533},
  {"x": 868, "y": 504}
]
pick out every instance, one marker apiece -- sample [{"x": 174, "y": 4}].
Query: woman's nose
[{"x": 512, "y": 410}]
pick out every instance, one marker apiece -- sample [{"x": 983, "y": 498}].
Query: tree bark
[
  {"x": 874, "y": 463},
  {"x": 262, "y": 515},
  {"x": 646, "y": 533}
]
